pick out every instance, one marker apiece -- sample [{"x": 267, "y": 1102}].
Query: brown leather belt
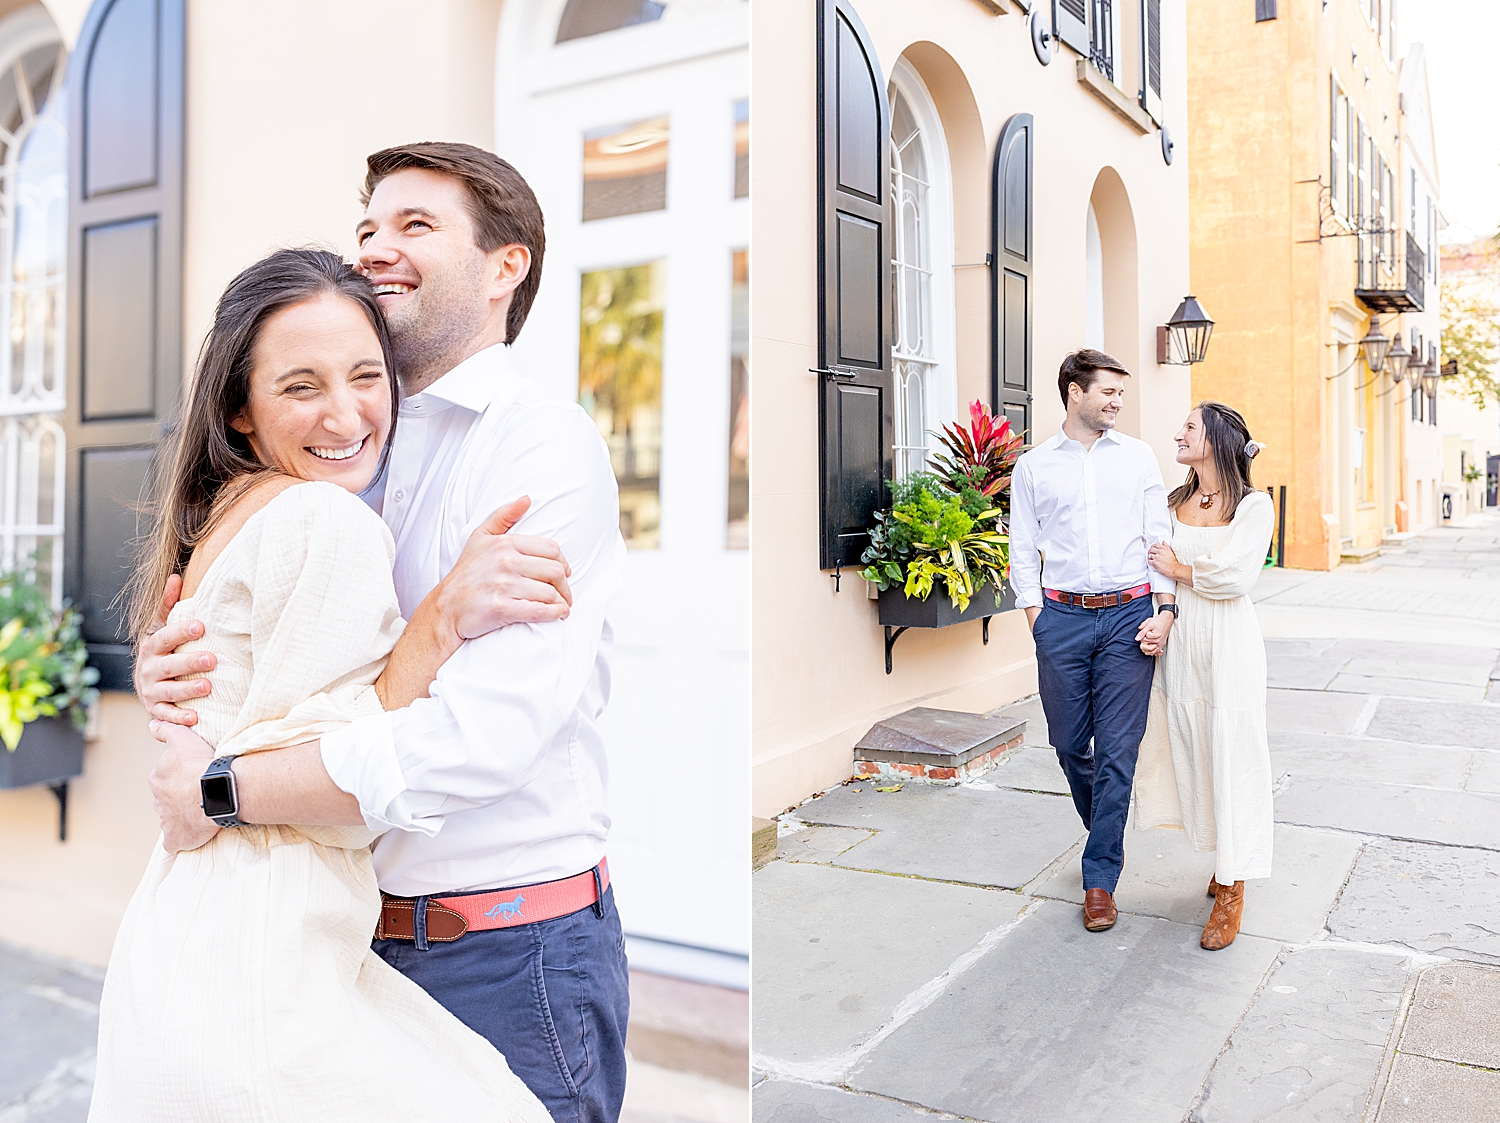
[
  {"x": 451, "y": 915},
  {"x": 1099, "y": 600}
]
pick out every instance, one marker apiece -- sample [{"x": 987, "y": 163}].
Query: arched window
[
  {"x": 582, "y": 18},
  {"x": 1093, "y": 283},
  {"x": 921, "y": 269},
  {"x": 33, "y": 288}
]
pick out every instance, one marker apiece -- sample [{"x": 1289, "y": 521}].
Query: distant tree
[{"x": 1471, "y": 335}]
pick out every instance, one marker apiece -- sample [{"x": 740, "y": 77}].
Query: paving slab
[
  {"x": 36, "y": 1032},
  {"x": 1484, "y": 771},
  {"x": 788, "y": 1101},
  {"x": 1413, "y": 660},
  {"x": 1453, "y": 1017},
  {"x": 1474, "y": 725},
  {"x": 1030, "y": 710},
  {"x": 1311, "y": 1046},
  {"x": 1021, "y": 1035},
  {"x": 1335, "y": 757},
  {"x": 837, "y": 950},
  {"x": 1302, "y": 672},
  {"x": 1033, "y": 768},
  {"x": 1410, "y": 687},
  {"x": 994, "y": 838},
  {"x": 1456, "y": 818},
  {"x": 1165, "y": 877},
  {"x": 1426, "y": 1091},
  {"x": 819, "y": 844},
  {"x": 1434, "y": 899},
  {"x": 1313, "y": 711}
]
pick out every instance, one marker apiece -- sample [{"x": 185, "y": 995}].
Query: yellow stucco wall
[
  {"x": 817, "y": 656},
  {"x": 1258, "y": 122}
]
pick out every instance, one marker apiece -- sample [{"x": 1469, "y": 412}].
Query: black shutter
[
  {"x": 125, "y": 91},
  {"x": 1010, "y": 279},
  {"x": 1151, "y": 58},
  {"x": 855, "y": 422},
  {"x": 1070, "y": 23}
]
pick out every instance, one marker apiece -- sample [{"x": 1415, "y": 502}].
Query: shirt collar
[
  {"x": 1062, "y": 438},
  {"x": 476, "y": 382}
]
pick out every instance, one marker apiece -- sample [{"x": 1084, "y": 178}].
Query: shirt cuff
[
  {"x": 361, "y": 760},
  {"x": 1029, "y": 597},
  {"x": 1161, "y": 583}
]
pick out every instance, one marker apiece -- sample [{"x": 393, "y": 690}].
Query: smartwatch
[
  {"x": 221, "y": 800},
  {"x": 1172, "y": 608}
]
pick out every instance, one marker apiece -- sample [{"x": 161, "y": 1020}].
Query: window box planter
[
  {"x": 51, "y": 753},
  {"x": 899, "y": 612}
]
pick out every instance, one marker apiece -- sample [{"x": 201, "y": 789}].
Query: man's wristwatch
[
  {"x": 1172, "y": 608},
  {"x": 221, "y": 799}
]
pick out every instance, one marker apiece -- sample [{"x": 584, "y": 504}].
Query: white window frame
[
  {"x": 938, "y": 359},
  {"x": 1338, "y": 146}
]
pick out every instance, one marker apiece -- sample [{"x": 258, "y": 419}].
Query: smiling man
[
  {"x": 1086, "y": 506},
  {"x": 491, "y": 790}
]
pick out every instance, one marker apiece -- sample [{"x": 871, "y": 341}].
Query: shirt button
[{"x": 400, "y": 495}]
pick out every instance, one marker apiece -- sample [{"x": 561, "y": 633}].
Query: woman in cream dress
[
  {"x": 1204, "y": 765},
  {"x": 242, "y": 986}
]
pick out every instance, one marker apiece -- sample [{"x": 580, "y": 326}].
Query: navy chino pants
[
  {"x": 553, "y": 996},
  {"x": 1096, "y": 686}
]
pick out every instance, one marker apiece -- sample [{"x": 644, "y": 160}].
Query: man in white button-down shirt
[
  {"x": 1086, "y": 506},
  {"x": 491, "y": 790}
]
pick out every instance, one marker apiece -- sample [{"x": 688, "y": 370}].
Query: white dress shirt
[
  {"x": 499, "y": 777},
  {"x": 1082, "y": 519}
]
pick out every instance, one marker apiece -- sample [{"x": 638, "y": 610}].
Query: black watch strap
[
  {"x": 1172, "y": 608},
  {"x": 220, "y": 797}
]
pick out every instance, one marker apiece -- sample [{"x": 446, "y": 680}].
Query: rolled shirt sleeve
[
  {"x": 1025, "y": 561},
  {"x": 505, "y": 699}
]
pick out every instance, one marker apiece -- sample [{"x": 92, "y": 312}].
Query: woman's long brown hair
[
  {"x": 205, "y": 464},
  {"x": 1227, "y": 435}
]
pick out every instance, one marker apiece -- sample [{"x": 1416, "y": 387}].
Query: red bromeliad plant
[
  {"x": 947, "y": 526},
  {"x": 980, "y": 456}
]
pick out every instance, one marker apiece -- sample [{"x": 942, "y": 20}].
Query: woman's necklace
[{"x": 1206, "y": 498}]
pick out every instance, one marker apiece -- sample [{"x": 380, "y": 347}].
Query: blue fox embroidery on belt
[{"x": 508, "y": 908}]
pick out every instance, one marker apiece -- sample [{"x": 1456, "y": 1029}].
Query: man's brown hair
[
  {"x": 501, "y": 204},
  {"x": 1083, "y": 367}
]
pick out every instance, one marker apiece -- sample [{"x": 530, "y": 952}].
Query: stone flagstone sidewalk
[{"x": 920, "y": 953}]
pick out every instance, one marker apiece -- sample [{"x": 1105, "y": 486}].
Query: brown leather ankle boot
[{"x": 1224, "y": 922}]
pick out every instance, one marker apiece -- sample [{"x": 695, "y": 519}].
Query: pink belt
[
  {"x": 450, "y": 917},
  {"x": 1099, "y": 600}
]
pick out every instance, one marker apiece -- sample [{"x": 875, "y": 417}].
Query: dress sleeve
[
  {"x": 323, "y": 617},
  {"x": 1231, "y": 570}
]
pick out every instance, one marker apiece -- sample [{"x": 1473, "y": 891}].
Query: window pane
[
  {"x": 625, "y": 169},
  {"x": 582, "y": 18},
  {"x": 741, "y": 149},
  {"x": 619, "y": 384},
  {"x": 737, "y": 536}
]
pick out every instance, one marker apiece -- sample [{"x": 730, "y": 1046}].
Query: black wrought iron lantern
[
  {"x": 1396, "y": 359},
  {"x": 1429, "y": 377},
  {"x": 1375, "y": 344},
  {"x": 1183, "y": 340}
]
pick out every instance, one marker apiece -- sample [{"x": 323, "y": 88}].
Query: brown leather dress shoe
[
  {"x": 1098, "y": 910},
  {"x": 1224, "y": 922}
]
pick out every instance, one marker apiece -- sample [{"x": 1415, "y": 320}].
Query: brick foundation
[{"x": 937, "y": 774}]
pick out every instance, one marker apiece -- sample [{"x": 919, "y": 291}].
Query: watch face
[{"x": 219, "y": 796}]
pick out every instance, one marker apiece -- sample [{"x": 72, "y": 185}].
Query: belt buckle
[{"x": 1094, "y": 600}]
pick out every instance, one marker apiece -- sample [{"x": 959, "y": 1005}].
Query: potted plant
[
  {"x": 46, "y": 688},
  {"x": 945, "y": 531}
]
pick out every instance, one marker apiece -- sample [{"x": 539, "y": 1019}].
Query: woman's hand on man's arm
[
  {"x": 159, "y": 669},
  {"x": 499, "y": 579}
]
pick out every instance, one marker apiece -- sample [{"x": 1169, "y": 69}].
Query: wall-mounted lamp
[
  {"x": 1183, "y": 340},
  {"x": 1429, "y": 378},
  {"x": 1396, "y": 359},
  {"x": 1374, "y": 345}
]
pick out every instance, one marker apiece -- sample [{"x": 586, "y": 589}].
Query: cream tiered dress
[
  {"x": 242, "y": 987},
  {"x": 1204, "y": 765}
]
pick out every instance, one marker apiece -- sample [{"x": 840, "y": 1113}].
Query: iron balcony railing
[
  {"x": 1392, "y": 271},
  {"x": 1102, "y": 37}
]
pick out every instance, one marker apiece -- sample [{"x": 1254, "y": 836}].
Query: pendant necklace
[{"x": 1206, "y": 499}]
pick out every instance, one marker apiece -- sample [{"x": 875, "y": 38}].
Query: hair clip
[{"x": 1253, "y": 448}]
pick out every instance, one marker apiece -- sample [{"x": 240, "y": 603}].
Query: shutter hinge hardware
[
  {"x": 834, "y": 372},
  {"x": 989, "y": 260}
]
